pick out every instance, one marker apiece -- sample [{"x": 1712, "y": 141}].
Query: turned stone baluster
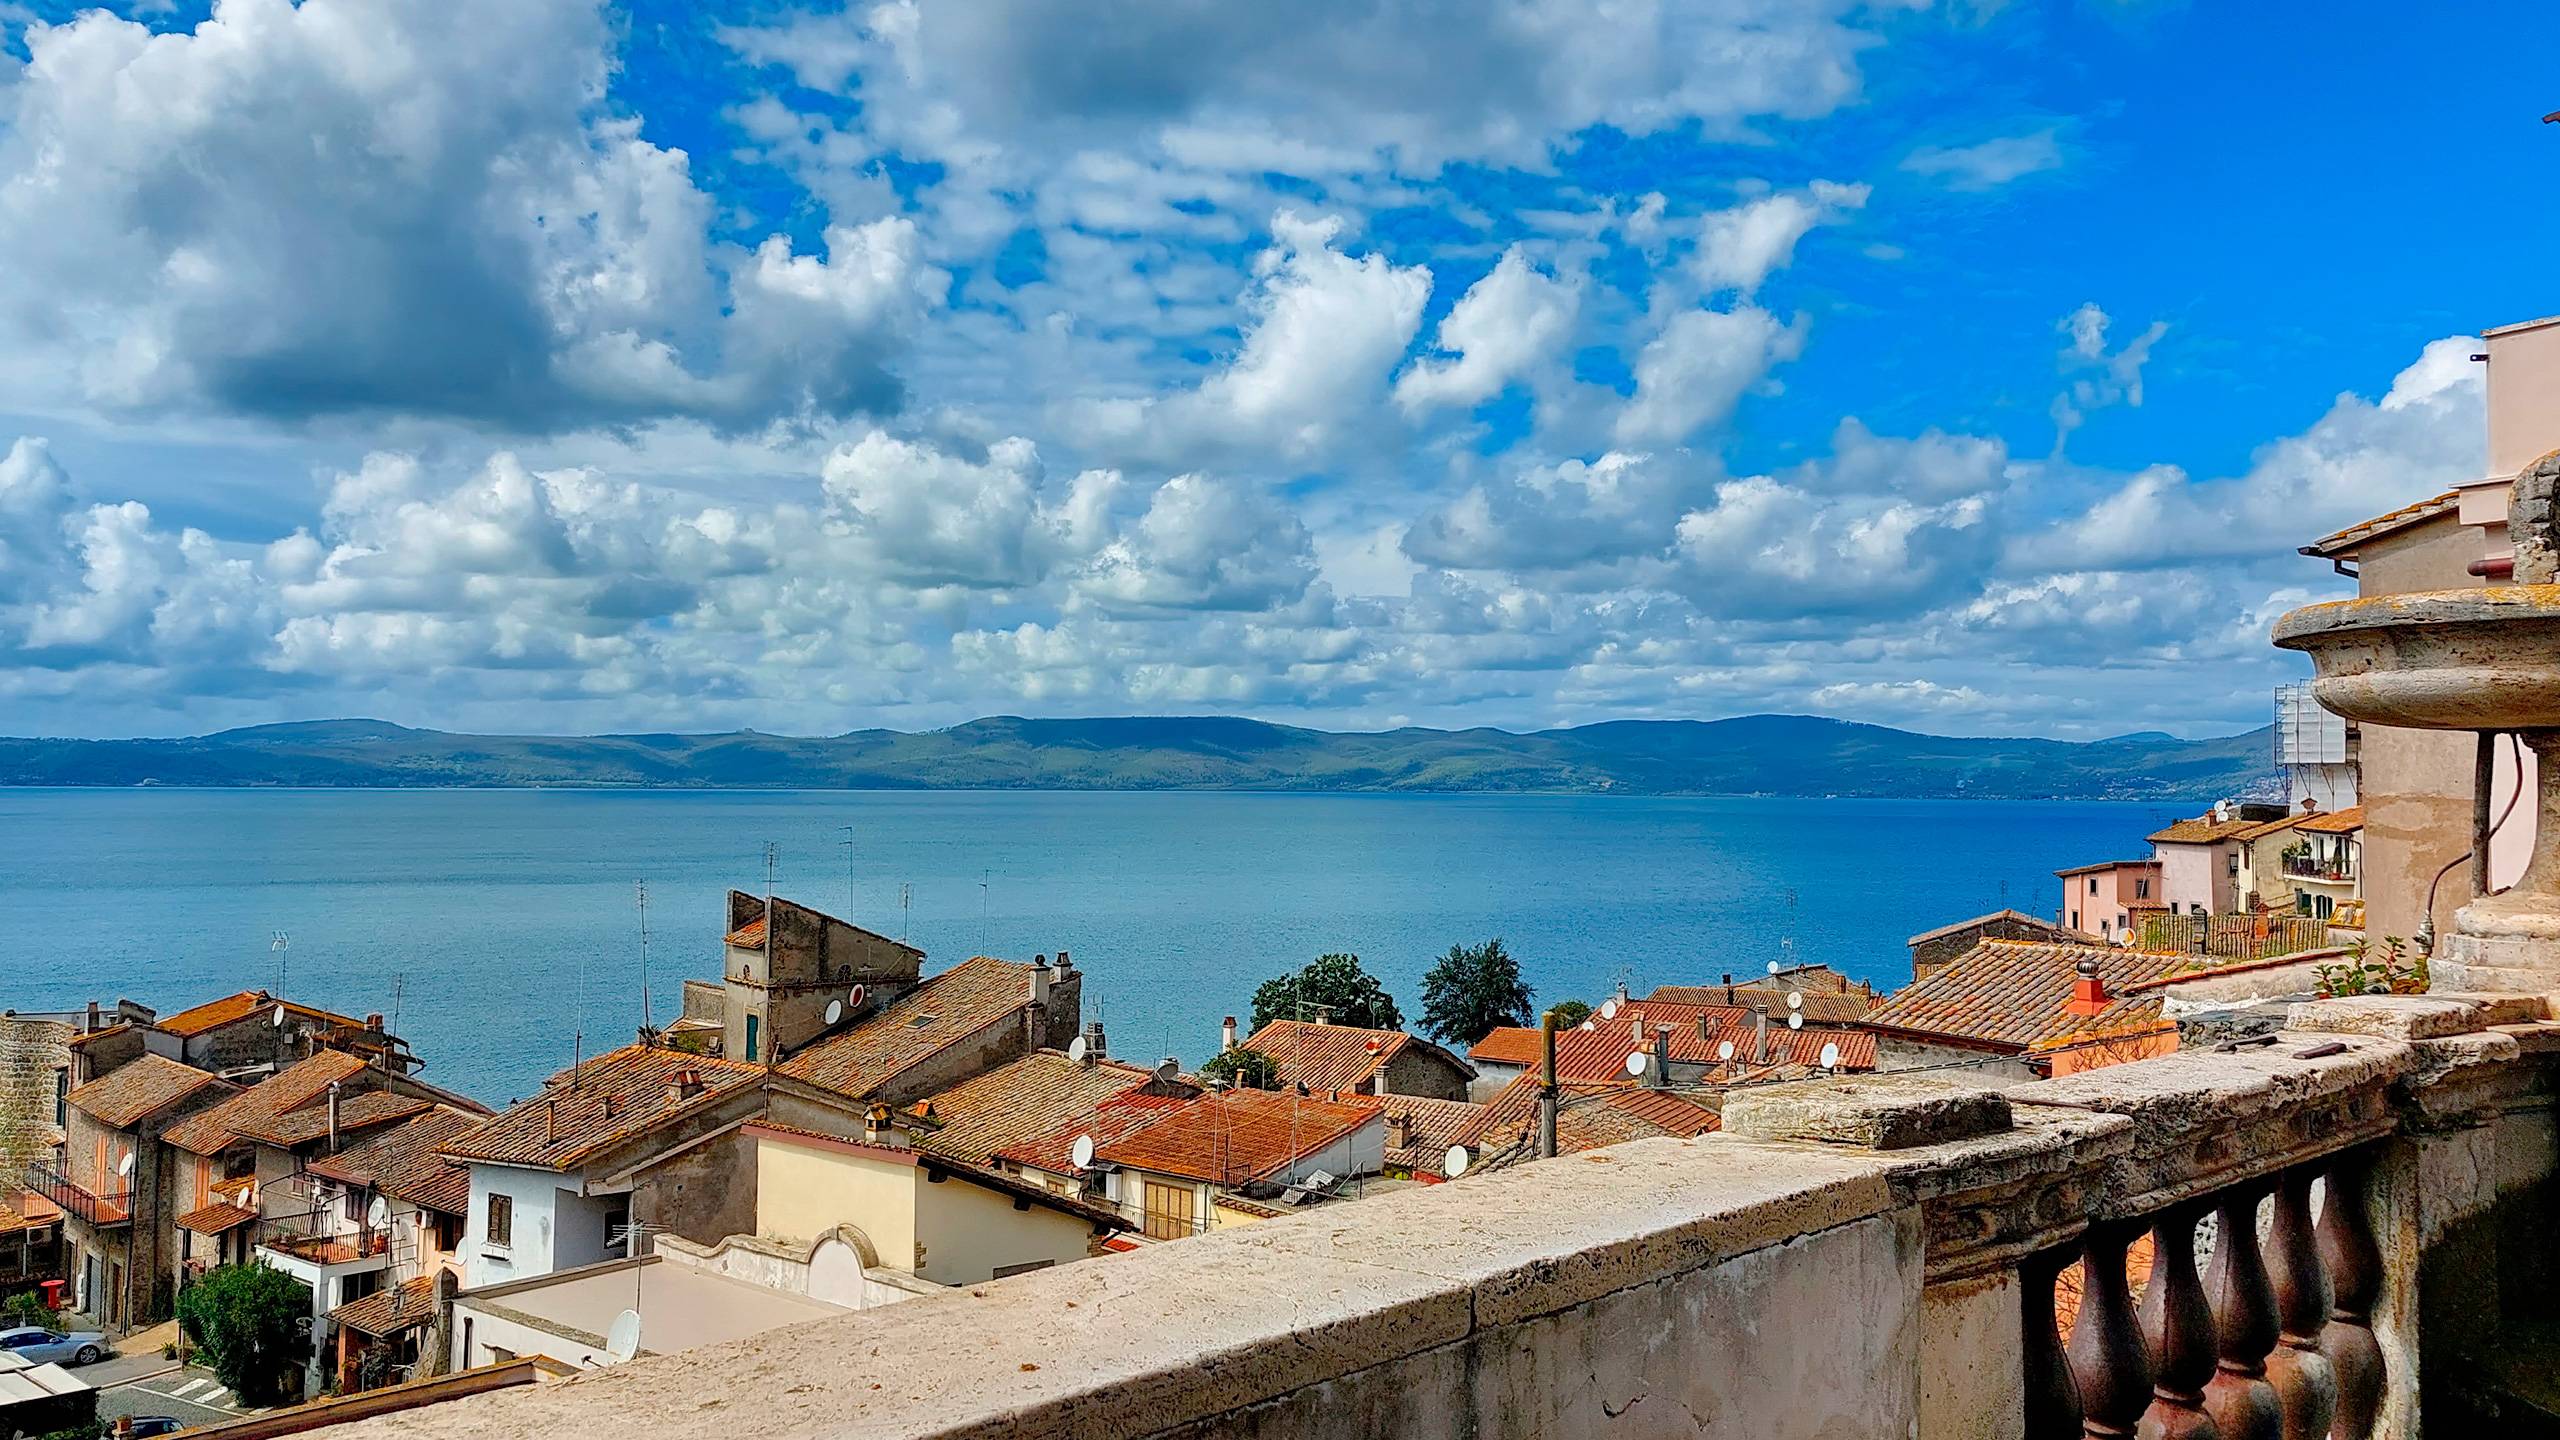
[
  {"x": 2354, "y": 1267},
  {"x": 2241, "y": 1402},
  {"x": 2306, "y": 1390},
  {"x": 2053, "y": 1402},
  {"x": 2108, "y": 1365},
  {"x": 2178, "y": 1325}
]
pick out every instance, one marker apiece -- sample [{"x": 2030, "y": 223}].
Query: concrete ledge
[
  {"x": 2413, "y": 1017},
  {"x": 1872, "y": 1112}
]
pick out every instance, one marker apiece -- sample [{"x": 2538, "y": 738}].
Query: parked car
[
  {"x": 141, "y": 1426},
  {"x": 41, "y": 1346}
]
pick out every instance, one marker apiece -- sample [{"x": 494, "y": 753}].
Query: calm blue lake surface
[{"x": 505, "y": 917}]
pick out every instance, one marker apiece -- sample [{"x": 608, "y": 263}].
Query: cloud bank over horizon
[{"x": 506, "y": 365}]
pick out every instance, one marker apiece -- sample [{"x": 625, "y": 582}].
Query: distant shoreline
[{"x": 1273, "y": 790}]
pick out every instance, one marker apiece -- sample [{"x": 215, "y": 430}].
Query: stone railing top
[{"x": 1177, "y": 1335}]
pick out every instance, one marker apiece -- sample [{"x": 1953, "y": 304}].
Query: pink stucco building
[{"x": 2100, "y": 899}]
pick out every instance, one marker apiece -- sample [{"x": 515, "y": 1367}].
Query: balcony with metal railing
[{"x": 95, "y": 1207}]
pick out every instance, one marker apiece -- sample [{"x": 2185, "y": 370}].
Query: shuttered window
[{"x": 1170, "y": 1210}]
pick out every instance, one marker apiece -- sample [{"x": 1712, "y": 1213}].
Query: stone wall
[
  {"x": 34, "y": 1052},
  {"x": 704, "y": 1194}
]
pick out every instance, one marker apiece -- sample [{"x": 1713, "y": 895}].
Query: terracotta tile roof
[
  {"x": 214, "y": 1014},
  {"x": 1589, "y": 1114},
  {"x": 2008, "y": 996},
  {"x": 216, "y": 1218},
  {"x": 367, "y": 1110},
  {"x": 213, "y": 1130},
  {"x": 118, "y": 1028},
  {"x": 2345, "y": 541},
  {"x": 1333, "y": 1057},
  {"x": 1437, "y": 1124},
  {"x": 141, "y": 1088},
  {"x": 24, "y": 1209},
  {"x": 403, "y": 1162},
  {"x": 2200, "y": 830},
  {"x": 1824, "y": 1000},
  {"x": 2012, "y": 917},
  {"x": 1597, "y": 1049},
  {"x": 1020, "y": 1101},
  {"x": 1231, "y": 1136},
  {"x": 2265, "y": 828},
  {"x": 2336, "y": 822},
  {"x": 404, "y": 1306},
  {"x": 2089, "y": 869},
  {"x": 608, "y": 1100},
  {"x": 950, "y": 1007},
  {"x": 749, "y": 936},
  {"x": 1109, "y": 1122}
]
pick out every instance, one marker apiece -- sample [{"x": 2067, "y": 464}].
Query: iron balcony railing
[{"x": 78, "y": 1199}]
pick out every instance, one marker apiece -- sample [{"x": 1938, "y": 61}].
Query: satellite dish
[
  {"x": 835, "y": 1011},
  {"x": 1725, "y": 1051},
  {"x": 622, "y": 1340},
  {"x": 1795, "y": 999},
  {"x": 1608, "y": 1009},
  {"x": 1586, "y": 1024},
  {"x": 277, "y": 1017},
  {"x": 1082, "y": 1153},
  {"x": 377, "y": 1216},
  {"x": 1635, "y": 1062},
  {"x": 1455, "y": 1163},
  {"x": 853, "y": 998},
  {"x": 1830, "y": 1057},
  {"x": 124, "y": 1167},
  {"x": 1075, "y": 1050},
  {"x": 1773, "y": 967},
  {"x": 1795, "y": 1022}
]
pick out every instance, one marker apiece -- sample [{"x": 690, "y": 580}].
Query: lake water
[{"x": 504, "y": 918}]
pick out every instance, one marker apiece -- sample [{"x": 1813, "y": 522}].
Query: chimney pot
[
  {"x": 1227, "y": 1034},
  {"x": 1093, "y": 1050},
  {"x": 1063, "y": 962},
  {"x": 373, "y": 1022}
]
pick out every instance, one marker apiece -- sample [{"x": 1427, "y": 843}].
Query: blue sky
[{"x": 542, "y": 365}]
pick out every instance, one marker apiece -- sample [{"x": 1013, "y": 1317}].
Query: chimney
[
  {"x": 2089, "y": 992},
  {"x": 1066, "y": 967},
  {"x": 684, "y": 1085},
  {"x": 1660, "y": 1079},
  {"x": 1728, "y": 979},
  {"x": 373, "y": 1022},
  {"x": 1635, "y": 1029},
  {"x": 550, "y": 1121},
  {"x": 612, "y": 1103},
  {"x": 1622, "y": 992},
  {"x": 1040, "y": 980},
  {"x": 874, "y": 1122},
  {"x": 1093, "y": 1050},
  {"x": 1227, "y": 1034},
  {"x": 1400, "y": 1131},
  {"x": 93, "y": 1018},
  {"x": 1760, "y": 1048}
]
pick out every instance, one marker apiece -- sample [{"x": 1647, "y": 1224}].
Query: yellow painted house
[{"x": 947, "y": 1222}]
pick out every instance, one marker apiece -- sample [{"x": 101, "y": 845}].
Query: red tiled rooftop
[
  {"x": 1109, "y": 1122},
  {"x": 1331, "y": 1057},
  {"x": 1436, "y": 1125},
  {"x": 2341, "y": 542},
  {"x": 1597, "y": 1049},
  {"x": 944, "y": 1010},
  {"x": 214, "y": 1014},
  {"x": 2010, "y": 995},
  {"x": 1232, "y": 1136},
  {"x": 2201, "y": 830},
  {"x": 305, "y": 1082},
  {"x": 1590, "y": 1114},
  {"x": 139, "y": 1089},
  {"x": 403, "y": 1162},
  {"x": 2335, "y": 822},
  {"x": 216, "y": 1218},
  {"x": 404, "y": 1306},
  {"x": 1020, "y": 1101},
  {"x": 749, "y": 936},
  {"x": 608, "y": 1100}
]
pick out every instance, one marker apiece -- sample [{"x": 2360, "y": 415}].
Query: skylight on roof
[{"x": 922, "y": 1021}]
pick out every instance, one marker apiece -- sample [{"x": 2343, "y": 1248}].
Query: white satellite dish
[
  {"x": 1773, "y": 967},
  {"x": 1608, "y": 1009},
  {"x": 835, "y": 1011},
  {"x": 1830, "y": 1057},
  {"x": 1725, "y": 1051},
  {"x": 1795, "y": 999},
  {"x": 622, "y": 1339},
  {"x": 1795, "y": 1022},
  {"x": 1455, "y": 1163},
  {"x": 1635, "y": 1062},
  {"x": 377, "y": 1215},
  {"x": 1082, "y": 1153},
  {"x": 277, "y": 1018},
  {"x": 1076, "y": 1050},
  {"x": 124, "y": 1167}
]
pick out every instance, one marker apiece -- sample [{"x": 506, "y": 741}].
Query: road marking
[{"x": 190, "y": 1390}]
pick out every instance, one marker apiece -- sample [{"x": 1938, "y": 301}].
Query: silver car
[{"x": 41, "y": 1346}]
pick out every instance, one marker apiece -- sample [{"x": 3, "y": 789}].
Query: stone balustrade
[{"x": 2341, "y": 1227}]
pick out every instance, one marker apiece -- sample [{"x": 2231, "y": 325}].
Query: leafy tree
[
  {"x": 1244, "y": 1069},
  {"x": 1471, "y": 991},
  {"x": 251, "y": 1325},
  {"x": 1570, "y": 1013},
  {"x": 1334, "y": 984}
]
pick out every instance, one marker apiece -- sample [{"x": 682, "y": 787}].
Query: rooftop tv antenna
[
  {"x": 906, "y": 906},
  {"x": 984, "y": 879},
  {"x": 640, "y": 901},
  {"x": 276, "y": 947},
  {"x": 850, "y": 883}
]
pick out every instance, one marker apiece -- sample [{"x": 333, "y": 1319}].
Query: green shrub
[{"x": 252, "y": 1326}]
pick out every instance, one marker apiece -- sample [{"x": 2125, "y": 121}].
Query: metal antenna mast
[
  {"x": 984, "y": 876},
  {"x": 276, "y": 947},
  {"x": 906, "y": 906},
  {"x": 849, "y": 880},
  {"x": 640, "y": 898}
]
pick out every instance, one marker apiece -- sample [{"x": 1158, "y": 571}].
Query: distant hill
[{"x": 1749, "y": 755}]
